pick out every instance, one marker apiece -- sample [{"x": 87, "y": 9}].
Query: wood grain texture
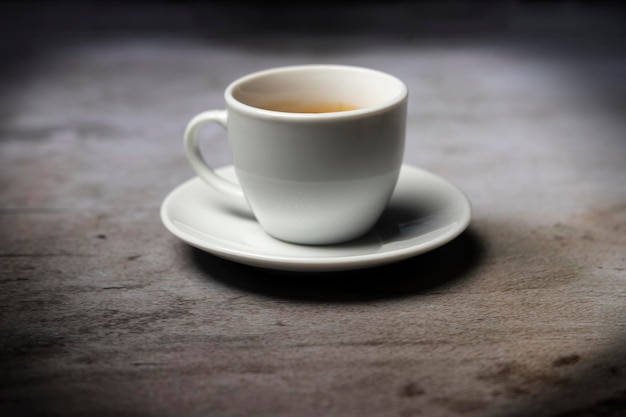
[{"x": 102, "y": 312}]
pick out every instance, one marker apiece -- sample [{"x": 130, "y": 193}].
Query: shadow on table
[{"x": 428, "y": 272}]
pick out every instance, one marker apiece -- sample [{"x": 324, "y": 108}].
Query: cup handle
[{"x": 197, "y": 161}]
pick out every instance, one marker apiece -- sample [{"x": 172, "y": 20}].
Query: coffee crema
[{"x": 296, "y": 107}]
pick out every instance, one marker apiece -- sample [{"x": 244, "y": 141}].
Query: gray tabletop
[{"x": 103, "y": 312}]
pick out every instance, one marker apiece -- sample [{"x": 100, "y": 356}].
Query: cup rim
[{"x": 234, "y": 103}]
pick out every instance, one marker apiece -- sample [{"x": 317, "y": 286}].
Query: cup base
[
  {"x": 324, "y": 241},
  {"x": 317, "y": 212}
]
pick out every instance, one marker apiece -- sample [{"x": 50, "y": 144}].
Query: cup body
[{"x": 317, "y": 178}]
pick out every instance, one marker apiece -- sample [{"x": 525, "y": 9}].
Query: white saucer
[{"x": 424, "y": 213}]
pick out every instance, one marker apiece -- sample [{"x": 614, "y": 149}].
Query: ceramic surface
[{"x": 310, "y": 178}]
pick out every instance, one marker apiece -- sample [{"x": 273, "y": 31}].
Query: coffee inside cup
[
  {"x": 305, "y": 107},
  {"x": 326, "y": 89}
]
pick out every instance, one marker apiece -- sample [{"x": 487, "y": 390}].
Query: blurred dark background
[{"x": 238, "y": 20}]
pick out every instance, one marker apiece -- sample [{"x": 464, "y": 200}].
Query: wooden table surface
[{"x": 103, "y": 312}]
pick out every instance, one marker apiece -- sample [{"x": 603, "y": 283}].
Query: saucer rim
[{"x": 319, "y": 264}]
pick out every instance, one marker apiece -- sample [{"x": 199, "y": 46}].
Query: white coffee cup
[{"x": 310, "y": 178}]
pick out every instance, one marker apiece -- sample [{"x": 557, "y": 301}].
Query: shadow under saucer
[{"x": 424, "y": 273}]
